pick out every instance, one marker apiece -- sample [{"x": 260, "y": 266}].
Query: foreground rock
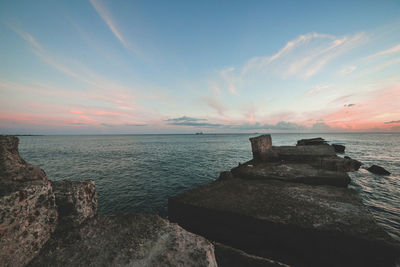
[
  {"x": 76, "y": 201},
  {"x": 378, "y": 170},
  {"x": 127, "y": 240},
  {"x": 291, "y": 222},
  {"x": 339, "y": 148},
  {"x": 231, "y": 257},
  {"x": 28, "y": 213}
]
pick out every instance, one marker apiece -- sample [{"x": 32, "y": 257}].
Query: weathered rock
[
  {"x": 225, "y": 175},
  {"x": 27, "y": 206},
  {"x": 339, "y": 148},
  {"x": 378, "y": 170},
  {"x": 291, "y": 222},
  {"x": 297, "y": 154},
  {"x": 292, "y": 172},
  {"x": 260, "y": 144},
  {"x": 232, "y": 257},
  {"x": 76, "y": 201},
  {"x": 127, "y": 240},
  {"x": 312, "y": 142},
  {"x": 337, "y": 164}
]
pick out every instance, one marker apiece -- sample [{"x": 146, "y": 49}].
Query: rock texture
[
  {"x": 339, "y": 148},
  {"x": 76, "y": 201},
  {"x": 230, "y": 257},
  {"x": 260, "y": 144},
  {"x": 378, "y": 170},
  {"x": 291, "y": 222},
  {"x": 312, "y": 141},
  {"x": 28, "y": 213},
  {"x": 292, "y": 172},
  {"x": 127, "y": 240}
]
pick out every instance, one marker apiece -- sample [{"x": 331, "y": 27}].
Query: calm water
[{"x": 137, "y": 173}]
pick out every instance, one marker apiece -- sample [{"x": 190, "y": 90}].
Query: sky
[{"x": 134, "y": 67}]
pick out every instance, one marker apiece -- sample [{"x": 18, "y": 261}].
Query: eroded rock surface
[
  {"x": 76, "y": 201},
  {"x": 292, "y": 172},
  {"x": 127, "y": 240},
  {"x": 378, "y": 170},
  {"x": 291, "y": 222},
  {"x": 28, "y": 213},
  {"x": 260, "y": 144}
]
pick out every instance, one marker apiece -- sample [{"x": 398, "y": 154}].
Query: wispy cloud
[
  {"x": 189, "y": 121},
  {"x": 185, "y": 119},
  {"x": 392, "y": 50},
  {"x": 106, "y": 16},
  {"x": 347, "y": 70}
]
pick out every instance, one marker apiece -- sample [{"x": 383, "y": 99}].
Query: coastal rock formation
[
  {"x": 76, "y": 201},
  {"x": 28, "y": 213},
  {"x": 260, "y": 144},
  {"x": 378, "y": 170},
  {"x": 292, "y": 172},
  {"x": 282, "y": 206},
  {"x": 339, "y": 148},
  {"x": 231, "y": 257},
  {"x": 291, "y": 222},
  {"x": 320, "y": 141},
  {"x": 311, "y": 142},
  {"x": 127, "y": 240}
]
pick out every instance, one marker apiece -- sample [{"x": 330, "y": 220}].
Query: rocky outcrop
[
  {"x": 127, "y": 240},
  {"x": 260, "y": 144},
  {"x": 291, "y": 222},
  {"x": 231, "y": 257},
  {"x": 378, "y": 170},
  {"x": 311, "y": 142},
  {"x": 339, "y": 148},
  {"x": 28, "y": 213},
  {"x": 282, "y": 206},
  {"x": 292, "y": 172},
  {"x": 76, "y": 201}
]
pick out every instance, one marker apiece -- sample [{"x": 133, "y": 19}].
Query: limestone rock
[
  {"x": 27, "y": 206},
  {"x": 231, "y": 257},
  {"x": 292, "y": 172},
  {"x": 226, "y": 175},
  {"x": 260, "y": 144},
  {"x": 127, "y": 240},
  {"x": 291, "y": 222},
  {"x": 311, "y": 141},
  {"x": 378, "y": 170},
  {"x": 76, "y": 201},
  {"x": 339, "y": 148}
]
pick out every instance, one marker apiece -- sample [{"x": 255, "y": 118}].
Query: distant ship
[{"x": 199, "y": 133}]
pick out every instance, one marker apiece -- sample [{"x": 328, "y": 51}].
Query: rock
[
  {"x": 27, "y": 206},
  {"x": 337, "y": 164},
  {"x": 226, "y": 175},
  {"x": 347, "y": 157},
  {"x": 231, "y": 257},
  {"x": 127, "y": 240},
  {"x": 378, "y": 170},
  {"x": 76, "y": 201},
  {"x": 296, "y": 154},
  {"x": 312, "y": 141},
  {"x": 339, "y": 148},
  {"x": 292, "y": 172},
  {"x": 290, "y": 222},
  {"x": 260, "y": 144}
]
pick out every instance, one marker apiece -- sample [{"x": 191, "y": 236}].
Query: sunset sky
[{"x": 120, "y": 67}]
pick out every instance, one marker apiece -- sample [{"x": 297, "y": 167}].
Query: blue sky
[{"x": 81, "y": 67}]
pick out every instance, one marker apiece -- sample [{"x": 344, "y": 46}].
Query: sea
[{"x": 138, "y": 173}]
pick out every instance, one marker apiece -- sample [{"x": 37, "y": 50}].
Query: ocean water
[{"x": 137, "y": 173}]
